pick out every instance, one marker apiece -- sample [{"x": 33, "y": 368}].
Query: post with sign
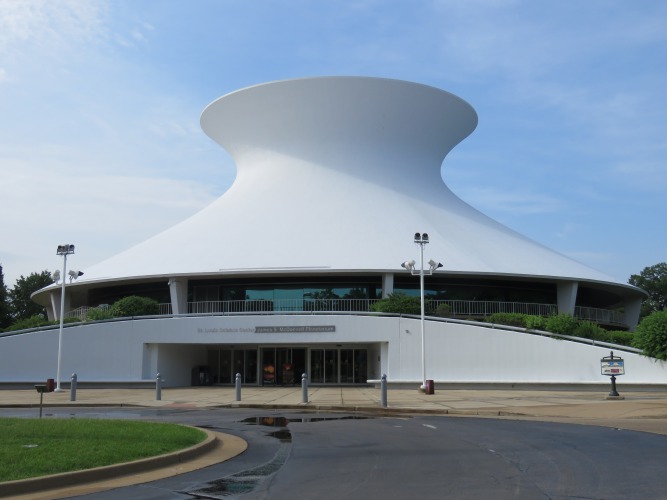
[{"x": 612, "y": 366}]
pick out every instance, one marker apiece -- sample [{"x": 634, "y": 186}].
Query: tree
[
  {"x": 21, "y": 305},
  {"x": 651, "y": 335},
  {"x": 653, "y": 280},
  {"x": 5, "y": 318}
]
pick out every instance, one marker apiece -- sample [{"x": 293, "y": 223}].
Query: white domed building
[{"x": 276, "y": 277}]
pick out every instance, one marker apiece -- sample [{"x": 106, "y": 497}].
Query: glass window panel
[
  {"x": 250, "y": 367},
  {"x": 317, "y": 366}
]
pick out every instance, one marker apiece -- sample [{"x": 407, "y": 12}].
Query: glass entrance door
[
  {"x": 224, "y": 364},
  {"x": 283, "y": 365},
  {"x": 324, "y": 366},
  {"x": 353, "y": 366}
]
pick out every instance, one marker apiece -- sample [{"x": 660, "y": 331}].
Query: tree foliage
[
  {"x": 20, "y": 304},
  {"x": 5, "y": 317},
  {"x": 651, "y": 335},
  {"x": 653, "y": 280}
]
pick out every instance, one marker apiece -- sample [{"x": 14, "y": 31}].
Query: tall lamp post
[
  {"x": 63, "y": 250},
  {"x": 421, "y": 239}
]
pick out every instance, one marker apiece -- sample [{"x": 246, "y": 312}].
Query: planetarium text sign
[
  {"x": 295, "y": 329},
  {"x": 272, "y": 329}
]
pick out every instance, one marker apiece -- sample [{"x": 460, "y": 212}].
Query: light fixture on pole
[
  {"x": 421, "y": 239},
  {"x": 63, "y": 250}
]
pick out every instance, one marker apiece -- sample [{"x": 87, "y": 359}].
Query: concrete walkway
[
  {"x": 636, "y": 410},
  {"x": 649, "y": 407}
]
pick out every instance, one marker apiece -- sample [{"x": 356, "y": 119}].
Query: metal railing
[
  {"x": 483, "y": 308},
  {"x": 605, "y": 316},
  {"x": 291, "y": 305},
  {"x": 82, "y": 312},
  {"x": 455, "y": 308}
]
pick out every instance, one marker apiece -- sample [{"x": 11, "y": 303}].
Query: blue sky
[{"x": 100, "y": 143}]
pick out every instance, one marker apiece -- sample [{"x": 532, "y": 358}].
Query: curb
[{"x": 65, "y": 479}]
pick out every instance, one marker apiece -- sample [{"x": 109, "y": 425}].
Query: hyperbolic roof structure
[{"x": 335, "y": 175}]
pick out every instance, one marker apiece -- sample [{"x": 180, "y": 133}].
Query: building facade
[{"x": 276, "y": 277}]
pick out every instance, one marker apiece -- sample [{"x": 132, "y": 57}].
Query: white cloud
[
  {"x": 52, "y": 28},
  {"x": 102, "y": 214},
  {"x": 105, "y": 95}
]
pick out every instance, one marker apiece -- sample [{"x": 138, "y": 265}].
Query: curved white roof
[{"x": 337, "y": 174}]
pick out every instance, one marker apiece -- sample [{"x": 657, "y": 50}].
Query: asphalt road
[{"x": 335, "y": 456}]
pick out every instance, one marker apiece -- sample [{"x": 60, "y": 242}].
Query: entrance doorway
[
  {"x": 338, "y": 366},
  {"x": 224, "y": 364},
  {"x": 282, "y": 365},
  {"x": 285, "y": 365}
]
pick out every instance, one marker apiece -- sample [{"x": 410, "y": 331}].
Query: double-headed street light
[
  {"x": 421, "y": 239},
  {"x": 63, "y": 250}
]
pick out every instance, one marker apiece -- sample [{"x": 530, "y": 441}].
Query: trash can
[
  {"x": 50, "y": 385},
  {"x": 430, "y": 387}
]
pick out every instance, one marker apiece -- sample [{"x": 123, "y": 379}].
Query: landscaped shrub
[
  {"x": 398, "y": 303},
  {"x": 536, "y": 322},
  {"x": 98, "y": 314},
  {"x": 651, "y": 335},
  {"x": 34, "y": 321},
  {"x": 621, "y": 337},
  {"x": 443, "y": 311},
  {"x": 590, "y": 330},
  {"x": 563, "y": 324},
  {"x": 134, "y": 306},
  {"x": 510, "y": 319}
]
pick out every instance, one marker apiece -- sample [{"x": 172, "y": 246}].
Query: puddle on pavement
[
  {"x": 284, "y": 421},
  {"x": 246, "y": 481}
]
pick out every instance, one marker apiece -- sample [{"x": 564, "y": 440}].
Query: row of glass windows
[
  {"x": 316, "y": 293},
  {"x": 435, "y": 291}
]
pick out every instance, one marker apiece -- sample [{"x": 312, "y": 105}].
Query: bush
[
  {"x": 134, "y": 306},
  {"x": 34, "y": 321},
  {"x": 398, "y": 303},
  {"x": 621, "y": 337},
  {"x": 98, "y": 314},
  {"x": 443, "y": 311},
  {"x": 590, "y": 330},
  {"x": 509, "y": 319},
  {"x": 651, "y": 335},
  {"x": 563, "y": 324},
  {"x": 536, "y": 322}
]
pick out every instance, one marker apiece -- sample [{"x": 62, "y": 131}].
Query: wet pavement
[
  {"x": 638, "y": 410},
  {"x": 567, "y": 404}
]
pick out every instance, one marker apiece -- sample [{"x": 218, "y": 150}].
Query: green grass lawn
[{"x": 38, "y": 447}]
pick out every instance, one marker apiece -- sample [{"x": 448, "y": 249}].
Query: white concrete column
[
  {"x": 567, "y": 296},
  {"x": 387, "y": 284},
  {"x": 53, "y": 311},
  {"x": 178, "y": 290},
  {"x": 633, "y": 307}
]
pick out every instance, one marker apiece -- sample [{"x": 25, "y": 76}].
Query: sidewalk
[{"x": 639, "y": 410}]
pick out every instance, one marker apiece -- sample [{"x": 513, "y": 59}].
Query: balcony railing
[
  {"x": 482, "y": 308},
  {"x": 290, "y": 305},
  {"x": 604, "y": 316},
  {"x": 457, "y": 308}
]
